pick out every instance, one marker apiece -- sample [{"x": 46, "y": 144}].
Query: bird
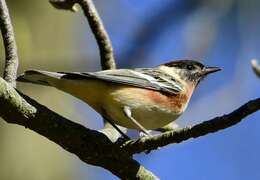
[{"x": 142, "y": 98}]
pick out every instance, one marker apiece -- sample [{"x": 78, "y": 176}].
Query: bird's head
[{"x": 188, "y": 70}]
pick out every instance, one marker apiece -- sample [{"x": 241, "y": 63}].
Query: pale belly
[
  {"x": 110, "y": 100},
  {"x": 145, "y": 111}
]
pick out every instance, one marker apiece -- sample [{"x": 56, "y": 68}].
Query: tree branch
[
  {"x": 105, "y": 46},
  {"x": 210, "y": 126},
  {"x": 11, "y": 56},
  {"x": 97, "y": 27},
  {"x": 89, "y": 145}
]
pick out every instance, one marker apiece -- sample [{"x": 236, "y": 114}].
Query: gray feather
[{"x": 144, "y": 78}]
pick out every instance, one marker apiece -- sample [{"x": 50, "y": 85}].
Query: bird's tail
[{"x": 39, "y": 77}]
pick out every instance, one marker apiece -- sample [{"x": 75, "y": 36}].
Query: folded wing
[{"x": 143, "y": 77}]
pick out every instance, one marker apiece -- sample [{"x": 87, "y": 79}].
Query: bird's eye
[{"x": 190, "y": 67}]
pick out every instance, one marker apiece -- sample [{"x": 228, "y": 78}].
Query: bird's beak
[{"x": 209, "y": 70}]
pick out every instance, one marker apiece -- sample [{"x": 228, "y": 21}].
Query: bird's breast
[
  {"x": 174, "y": 102},
  {"x": 152, "y": 109}
]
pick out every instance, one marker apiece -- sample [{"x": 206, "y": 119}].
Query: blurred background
[{"x": 222, "y": 33}]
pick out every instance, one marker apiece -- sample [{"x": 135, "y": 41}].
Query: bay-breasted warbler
[{"x": 142, "y": 98}]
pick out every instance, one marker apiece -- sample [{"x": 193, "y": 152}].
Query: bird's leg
[
  {"x": 119, "y": 130},
  {"x": 128, "y": 114}
]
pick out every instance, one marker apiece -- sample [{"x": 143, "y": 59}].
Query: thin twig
[
  {"x": 256, "y": 67},
  {"x": 97, "y": 27},
  {"x": 211, "y": 126},
  {"x": 105, "y": 46},
  {"x": 11, "y": 56}
]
